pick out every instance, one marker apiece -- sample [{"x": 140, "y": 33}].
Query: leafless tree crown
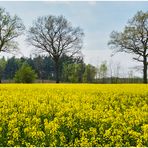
[
  {"x": 10, "y": 28},
  {"x": 56, "y": 36}
]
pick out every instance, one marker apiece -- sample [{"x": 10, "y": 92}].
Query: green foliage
[
  {"x": 73, "y": 73},
  {"x": 2, "y": 66},
  {"x": 103, "y": 70},
  {"x": 89, "y": 73},
  {"x": 12, "y": 65},
  {"x": 25, "y": 74},
  {"x": 77, "y": 73},
  {"x": 44, "y": 67}
]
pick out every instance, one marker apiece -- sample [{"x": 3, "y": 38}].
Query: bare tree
[
  {"x": 114, "y": 71},
  {"x": 110, "y": 68},
  {"x": 10, "y": 28},
  {"x": 103, "y": 71},
  {"x": 117, "y": 69},
  {"x": 134, "y": 40},
  {"x": 55, "y": 36}
]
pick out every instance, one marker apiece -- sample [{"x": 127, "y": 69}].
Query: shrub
[{"x": 25, "y": 74}]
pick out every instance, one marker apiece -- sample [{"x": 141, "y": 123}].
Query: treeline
[{"x": 72, "y": 70}]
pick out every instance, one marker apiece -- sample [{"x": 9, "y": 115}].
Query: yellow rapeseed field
[{"x": 73, "y": 115}]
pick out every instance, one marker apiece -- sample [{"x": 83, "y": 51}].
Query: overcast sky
[{"x": 97, "y": 19}]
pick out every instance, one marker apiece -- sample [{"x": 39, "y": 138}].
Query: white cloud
[
  {"x": 57, "y": 2},
  {"x": 92, "y": 3}
]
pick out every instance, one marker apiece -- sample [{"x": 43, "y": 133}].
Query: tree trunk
[
  {"x": 57, "y": 71},
  {"x": 145, "y": 70},
  {"x": 0, "y": 78}
]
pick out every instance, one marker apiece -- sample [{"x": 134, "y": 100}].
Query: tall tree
[
  {"x": 72, "y": 73},
  {"x": 56, "y": 36},
  {"x": 103, "y": 71},
  {"x": 10, "y": 28},
  {"x": 134, "y": 40},
  {"x": 72, "y": 69},
  {"x": 89, "y": 74},
  {"x": 12, "y": 65},
  {"x": 2, "y": 67}
]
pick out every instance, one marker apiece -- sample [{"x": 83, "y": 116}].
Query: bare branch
[
  {"x": 56, "y": 36},
  {"x": 10, "y": 28},
  {"x": 133, "y": 40}
]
